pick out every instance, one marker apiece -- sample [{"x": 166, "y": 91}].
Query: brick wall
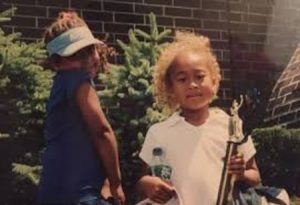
[
  {"x": 284, "y": 103},
  {"x": 253, "y": 39}
]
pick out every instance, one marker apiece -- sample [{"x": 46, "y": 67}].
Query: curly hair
[
  {"x": 67, "y": 20},
  {"x": 183, "y": 41}
]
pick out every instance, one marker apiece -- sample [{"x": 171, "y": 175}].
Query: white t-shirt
[{"x": 195, "y": 154}]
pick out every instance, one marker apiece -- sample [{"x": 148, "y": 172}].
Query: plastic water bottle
[{"x": 158, "y": 165}]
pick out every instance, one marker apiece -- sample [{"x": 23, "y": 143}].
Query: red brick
[
  {"x": 287, "y": 118},
  {"x": 223, "y": 45},
  {"x": 164, "y": 21},
  {"x": 187, "y": 3},
  {"x": 295, "y": 124},
  {"x": 44, "y": 22},
  {"x": 283, "y": 83},
  {"x": 137, "y": 1},
  {"x": 218, "y": 25},
  {"x": 89, "y": 5},
  {"x": 261, "y": 2},
  {"x": 31, "y": 11},
  {"x": 275, "y": 101},
  {"x": 213, "y": 5},
  {"x": 23, "y": 21},
  {"x": 257, "y": 19},
  {"x": 95, "y": 26},
  {"x": 264, "y": 10},
  {"x": 226, "y": 74},
  {"x": 117, "y": 27},
  {"x": 294, "y": 99},
  {"x": 287, "y": 89},
  {"x": 97, "y": 16},
  {"x": 129, "y": 18},
  {"x": 178, "y": 12},
  {"x": 226, "y": 83},
  {"x": 31, "y": 33},
  {"x": 159, "y": 2},
  {"x": 64, "y": 4},
  {"x": 28, "y": 2},
  {"x": 253, "y": 28},
  {"x": 232, "y": 16},
  {"x": 296, "y": 78},
  {"x": 112, "y": 6},
  {"x": 145, "y": 9},
  {"x": 238, "y": 27},
  {"x": 188, "y": 23},
  {"x": 203, "y": 14},
  {"x": 238, "y": 7}
]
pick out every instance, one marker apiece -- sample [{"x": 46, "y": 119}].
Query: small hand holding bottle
[{"x": 158, "y": 190}]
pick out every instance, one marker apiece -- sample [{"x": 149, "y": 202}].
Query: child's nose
[{"x": 193, "y": 84}]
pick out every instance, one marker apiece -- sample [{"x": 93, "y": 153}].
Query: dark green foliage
[
  {"x": 24, "y": 88},
  {"x": 128, "y": 94},
  {"x": 24, "y": 85},
  {"x": 278, "y": 156}
]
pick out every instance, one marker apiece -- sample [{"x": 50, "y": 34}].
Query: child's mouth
[{"x": 196, "y": 95}]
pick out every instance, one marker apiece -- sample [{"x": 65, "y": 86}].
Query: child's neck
[{"x": 196, "y": 117}]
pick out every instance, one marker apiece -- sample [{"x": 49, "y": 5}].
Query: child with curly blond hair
[
  {"x": 81, "y": 150},
  {"x": 194, "y": 137}
]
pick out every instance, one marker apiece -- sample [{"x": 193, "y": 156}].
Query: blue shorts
[{"x": 90, "y": 196}]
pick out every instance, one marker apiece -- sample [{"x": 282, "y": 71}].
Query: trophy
[{"x": 236, "y": 138}]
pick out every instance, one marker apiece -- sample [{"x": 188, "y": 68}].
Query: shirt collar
[{"x": 214, "y": 113}]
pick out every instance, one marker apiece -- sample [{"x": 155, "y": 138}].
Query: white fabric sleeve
[
  {"x": 149, "y": 143},
  {"x": 247, "y": 149}
]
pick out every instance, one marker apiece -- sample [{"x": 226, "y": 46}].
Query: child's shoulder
[{"x": 167, "y": 123}]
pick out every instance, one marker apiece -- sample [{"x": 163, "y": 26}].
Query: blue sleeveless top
[{"x": 70, "y": 161}]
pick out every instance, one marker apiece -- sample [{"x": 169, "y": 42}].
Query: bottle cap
[{"x": 157, "y": 151}]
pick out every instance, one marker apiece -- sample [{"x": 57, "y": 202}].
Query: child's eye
[
  {"x": 200, "y": 77},
  {"x": 182, "y": 80}
]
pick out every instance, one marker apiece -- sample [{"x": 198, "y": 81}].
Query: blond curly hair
[{"x": 183, "y": 41}]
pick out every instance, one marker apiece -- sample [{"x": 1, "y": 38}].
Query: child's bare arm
[
  {"x": 102, "y": 137},
  {"x": 246, "y": 171},
  {"x": 154, "y": 188}
]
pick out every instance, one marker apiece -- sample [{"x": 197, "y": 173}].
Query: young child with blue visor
[{"x": 81, "y": 148}]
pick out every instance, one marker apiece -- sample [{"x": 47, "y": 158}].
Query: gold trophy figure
[{"x": 236, "y": 138}]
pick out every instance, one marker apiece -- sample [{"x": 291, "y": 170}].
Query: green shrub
[
  {"x": 24, "y": 88},
  {"x": 24, "y": 85},
  {"x": 278, "y": 156}
]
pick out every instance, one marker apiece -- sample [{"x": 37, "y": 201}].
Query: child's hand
[
  {"x": 158, "y": 190},
  {"x": 118, "y": 194},
  {"x": 237, "y": 165}
]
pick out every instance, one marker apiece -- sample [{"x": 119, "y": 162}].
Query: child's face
[{"x": 191, "y": 81}]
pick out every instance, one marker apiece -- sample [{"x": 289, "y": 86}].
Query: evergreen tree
[
  {"x": 24, "y": 85},
  {"x": 128, "y": 94},
  {"x": 24, "y": 88}
]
